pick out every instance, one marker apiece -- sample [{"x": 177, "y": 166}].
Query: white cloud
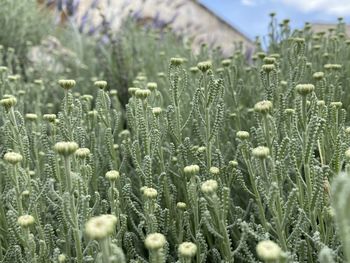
[
  {"x": 332, "y": 7},
  {"x": 248, "y": 2}
]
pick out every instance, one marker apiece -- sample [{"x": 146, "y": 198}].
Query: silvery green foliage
[{"x": 184, "y": 170}]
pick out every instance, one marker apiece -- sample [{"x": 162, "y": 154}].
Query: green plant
[{"x": 216, "y": 161}]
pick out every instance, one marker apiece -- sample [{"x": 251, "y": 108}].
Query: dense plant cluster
[{"x": 210, "y": 160}]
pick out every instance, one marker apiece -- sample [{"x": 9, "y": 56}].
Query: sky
[{"x": 251, "y": 17}]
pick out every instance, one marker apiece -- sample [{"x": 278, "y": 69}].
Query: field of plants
[{"x": 134, "y": 149}]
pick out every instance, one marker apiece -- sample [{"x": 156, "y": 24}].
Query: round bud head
[
  {"x": 112, "y": 175},
  {"x": 194, "y": 70},
  {"x": 61, "y": 258},
  {"x": 347, "y": 154},
  {"x": 347, "y": 130},
  {"x": 157, "y": 111},
  {"x": 263, "y": 106},
  {"x": 233, "y": 163},
  {"x": 152, "y": 86},
  {"x": 124, "y": 133},
  {"x": 187, "y": 250},
  {"x": 13, "y": 78},
  {"x": 191, "y": 169},
  {"x": 201, "y": 149},
  {"x": 38, "y": 82},
  {"x": 132, "y": 91},
  {"x": 155, "y": 241},
  {"x": 101, "y": 84},
  {"x": 13, "y": 158},
  {"x": 49, "y": 117},
  {"x": 31, "y": 116},
  {"x": 26, "y": 221},
  {"x": 261, "y": 152},
  {"x": 66, "y": 148},
  {"x": 181, "y": 205},
  {"x": 82, "y": 153},
  {"x": 226, "y": 62},
  {"x": 242, "y": 135},
  {"x": 289, "y": 111},
  {"x": 318, "y": 75},
  {"x": 3, "y": 69},
  {"x": 269, "y": 60},
  {"x": 100, "y": 227},
  {"x": 25, "y": 193},
  {"x": 214, "y": 170},
  {"x": 113, "y": 92},
  {"x": 321, "y": 103},
  {"x": 8, "y": 102},
  {"x": 209, "y": 187},
  {"x": 268, "y": 250},
  {"x": 336, "y": 104},
  {"x": 21, "y": 92},
  {"x": 204, "y": 66},
  {"x": 261, "y": 55},
  {"x": 176, "y": 61},
  {"x": 142, "y": 93},
  {"x": 67, "y": 84},
  {"x": 268, "y": 67},
  {"x": 161, "y": 75},
  {"x": 150, "y": 193},
  {"x": 304, "y": 89},
  {"x": 299, "y": 40}
]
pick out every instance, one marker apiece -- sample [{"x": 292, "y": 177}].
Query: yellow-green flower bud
[
  {"x": 101, "y": 84},
  {"x": 26, "y": 221},
  {"x": 209, "y": 186},
  {"x": 261, "y": 152},
  {"x": 66, "y": 148},
  {"x": 268, "y": 251},
  {"x": 204, "y": 66},
  {"x": 13, "y": 158},
  {"x": 82, "y": 153},
  {"x": 263, "y": 106},
  {"x": 243, "y": 135},
  {"x": 100, "y": 227},
  {"x": 112, "y": 175},
  {"x": 191, "y": 169},
  {"x": 187, "y": 250},
  {"x": 155, "y": 241},
  {"x": 304, "y": 89},
  {"x": 67, "y": 84}
]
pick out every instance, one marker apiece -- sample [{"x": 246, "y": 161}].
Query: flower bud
[
  {"x": 243, "y": 135},
  {"x": 150, "y": 193},
  {"x": 66, "y": 148},
  {"x": 204, "y": 66},
  {"x": 304, "y": 89},
  {"x": 101, "y": 84},
  {"x": 268, "y": 250},
  {"x": 13, "y": 158},
  {"x": 187, "y": 250},
  {"x": 67, "y": 84},
  {"x": 82, "y": 153},
  {"x": 191, "y": 169},
  {"x": 112, "y": 175},
  {"x": 261, "y": 152},
  {"x": 155, "y": 241},
  {"x": 100, "y": 227},
  {"x": 26, "y": 221},
  {"x": 209, "y": 187},
  {"x": 263, "y": 106}
]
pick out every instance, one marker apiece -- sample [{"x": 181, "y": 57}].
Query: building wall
[{"x": 186, "y": 17}]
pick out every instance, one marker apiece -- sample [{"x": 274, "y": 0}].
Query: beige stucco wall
[{"x": 192, "y": 19}]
